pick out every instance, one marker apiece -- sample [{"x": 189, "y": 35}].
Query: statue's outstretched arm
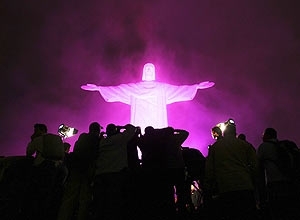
[
  {"x": 205, "y": 85},
  {"x": 90, "y": 87}
]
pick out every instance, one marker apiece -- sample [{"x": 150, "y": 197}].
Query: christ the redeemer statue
[{"x": 148, "y": 99}]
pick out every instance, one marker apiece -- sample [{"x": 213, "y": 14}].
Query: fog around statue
[{"x": 148, "y": 99}]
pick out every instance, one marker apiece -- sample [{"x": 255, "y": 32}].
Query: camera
[
  {"x": 66, "y": 131},
  {"x": 230, "y": 121}
]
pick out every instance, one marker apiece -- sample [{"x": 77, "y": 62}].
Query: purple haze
[{"x": 251, "y": 50}]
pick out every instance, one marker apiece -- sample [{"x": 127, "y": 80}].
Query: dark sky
[{"x": 250, "y": 49}]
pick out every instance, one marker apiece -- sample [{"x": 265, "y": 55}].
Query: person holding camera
[
  {"x": 47, "y": 175},
  {"x": 111, "y": 175},
  {"x": 77, "y": 195}
]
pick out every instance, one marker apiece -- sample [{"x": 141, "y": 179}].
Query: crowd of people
[{"x": 104, "y": 177}]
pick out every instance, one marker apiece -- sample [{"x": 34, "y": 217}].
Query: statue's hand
[
  {"x": 205, "y": 85},
  {"x": 90, "y": 87}
]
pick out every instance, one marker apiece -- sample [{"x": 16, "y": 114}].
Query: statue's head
[{"x": 148, "y": 72}]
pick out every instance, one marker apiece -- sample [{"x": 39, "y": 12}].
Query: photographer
[
  {"x": 77, "y": 194},
  {"x": 112, "y": 172},
  {"x": 47, "y": 174}
]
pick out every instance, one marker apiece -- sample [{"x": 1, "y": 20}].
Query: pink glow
[
  {"x": 50, "y": 50},
  {"x": 148, "y": 99}
]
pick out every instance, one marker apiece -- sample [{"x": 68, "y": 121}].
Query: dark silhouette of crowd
[{"x": 105, "y": 177}]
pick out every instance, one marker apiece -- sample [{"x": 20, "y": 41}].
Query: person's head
[
  {"x": 148, "y": 72},
  {"x": 39, "y": 129},
  {"x": 269, "y": 134},
  {"x": 149, "y": 130},
  {"x": 242, "y": 137},
  {"x": 169, "y": 131},
  {"x": 95, "y": 128},
  {"x": 216, "y": 132},
  {"x": 111, "y": 129},
  {"x": 138, "y": 130}
]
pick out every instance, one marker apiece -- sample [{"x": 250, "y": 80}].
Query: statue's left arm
[{"x": 184, "y": 92}]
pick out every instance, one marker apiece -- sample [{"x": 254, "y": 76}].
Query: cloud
[{"x": 249, "y": 49}]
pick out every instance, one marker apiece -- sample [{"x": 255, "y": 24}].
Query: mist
[{"x": 250, "y": 49}]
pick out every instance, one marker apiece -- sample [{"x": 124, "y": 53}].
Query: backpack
[{"x": 288, "y": 160}]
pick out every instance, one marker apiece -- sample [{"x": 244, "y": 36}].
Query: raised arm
[{"x": 181, "y": 135}]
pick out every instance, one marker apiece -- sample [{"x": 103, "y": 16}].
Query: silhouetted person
[
  {"x": 163, "y": 169},
  {"x": 276, "y": 195},
  {"x": 230, "y": 168},
  {"x": 77, "y": 197},
  {"x": 154, "y": 179},
  {"x": 47, "y": 176},
  {"x": 243, "y": 137},
  {"x": 111, "y": 175},
  {"x": 153, "y": 156},
  {"x": 16, "y": 177},
  {"x": 174, "y": 138},
  {"x": 134, "y": 171},
  {"x": 134, "y": 163}
]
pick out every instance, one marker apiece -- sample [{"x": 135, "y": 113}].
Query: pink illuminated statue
[{"x": 148, "y": 99}]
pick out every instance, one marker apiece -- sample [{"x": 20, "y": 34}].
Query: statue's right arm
[
  {"x": 120, "y": 93},
  {"x": 90, "y": 87}
]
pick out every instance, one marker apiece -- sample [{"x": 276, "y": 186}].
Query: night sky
[{"x": 250, "y": 49}]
